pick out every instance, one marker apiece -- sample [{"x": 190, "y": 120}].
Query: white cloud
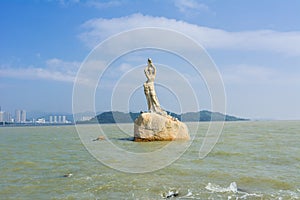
[
  {"x": 124, "y": 67},
  {"x": 191, "y": 6},
  {"x": 55, "y": 69},
  {"x": 59, "y": 64},
  {"x": 287, "y": 43},
  {"x": 261, "y": 75},
  {"x": 34, "y": 73}
]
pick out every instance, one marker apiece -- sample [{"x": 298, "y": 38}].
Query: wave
[
  {"x": 226, "y": 154},
  {"x": 232, "y": 188},
  {"x": 216, "y": 188},
  {"x": 265, "y": 182},
  {"x": 175, "y": 193},
  {"x": 233, "y": 191}
]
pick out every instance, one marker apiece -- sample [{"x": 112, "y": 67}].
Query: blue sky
[{"x": 254, "y": 44}]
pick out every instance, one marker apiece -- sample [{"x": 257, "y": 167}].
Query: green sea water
[{"x": 252, "y": 160}]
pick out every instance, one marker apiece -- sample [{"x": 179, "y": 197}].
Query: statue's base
[{"x": 157, "y": 127}]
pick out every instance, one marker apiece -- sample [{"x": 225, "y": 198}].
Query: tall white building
[
  {"x": 51, "y": 119},
  {"x": 1, "y": 116},
  {"x": 55, "y": 119},
  {"x": 20, "y": 116},
  {"x": 64, "y": 119},
  {"x": 7, "y": 117},
  {"x": 23, "y": 115}
]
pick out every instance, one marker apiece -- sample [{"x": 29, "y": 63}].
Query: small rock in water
[
  {"x": 68, "y": 175},
  {"x": 171, "y": 193},
  {"x": 99, "y": 138}
]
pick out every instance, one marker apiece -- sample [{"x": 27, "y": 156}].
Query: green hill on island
[{"x": 121, "y": 117}]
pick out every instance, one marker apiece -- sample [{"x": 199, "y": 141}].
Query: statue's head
[{"x": 149, "y": 60}]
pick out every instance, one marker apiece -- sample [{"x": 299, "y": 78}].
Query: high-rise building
[
  {"x": 51, "y": 119},
  {"x": 18, "y": 116},
  {"x": 23, "y": 115},
  {"x": 55, "y": 119},
  {"x": 64, "y": 119},
  {"x": 1, "y": 116},
  {"x": 7, "y": 117},
  {"x": 59, "y": 119}
]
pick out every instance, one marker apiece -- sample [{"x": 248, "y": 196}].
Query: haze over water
[{"x": 252, "y": 160}]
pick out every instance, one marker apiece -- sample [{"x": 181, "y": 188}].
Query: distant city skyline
[
  {"x": 254, "y": 44},
  {"x": 20, "y": 116}
]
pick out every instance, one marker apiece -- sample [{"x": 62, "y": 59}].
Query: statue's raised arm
[{"x": 150, "y": 71}]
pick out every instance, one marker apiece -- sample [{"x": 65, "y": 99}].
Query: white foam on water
[
  {"x": 189, "y": 195},
  {"x": 175, "y": 193},
  {"x": 216, "y": 188},
  {"x": 233, "y": 188},
  {"x": 283, "y": 194},
  {"x": 245, "y": 196}
]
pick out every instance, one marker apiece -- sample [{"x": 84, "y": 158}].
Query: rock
[
  {"x": 157, "y": 127},
  {"x": 99, "y": 138},
  {"x": 68, "y": 175},
  {"x": 170, "y": 193}
]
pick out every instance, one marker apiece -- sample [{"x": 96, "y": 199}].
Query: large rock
[{"x": 157, "y": 127}]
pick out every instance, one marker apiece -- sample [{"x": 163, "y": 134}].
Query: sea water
[{"x": 251, "y": 160}]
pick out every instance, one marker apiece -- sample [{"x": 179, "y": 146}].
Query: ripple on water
[
  {"x": 264, "y": 183},
  {"x": 225, "y": 154}
]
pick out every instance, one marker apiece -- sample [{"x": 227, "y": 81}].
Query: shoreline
[
  {"x": 34, "y": 124},
  {"x": 92, "y": 123}
]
